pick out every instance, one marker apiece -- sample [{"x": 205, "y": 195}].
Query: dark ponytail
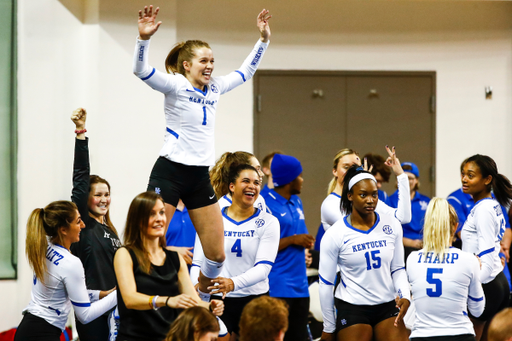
[
  {"x": 500, "y": 184},
  {"x": 346, "y": 205}
]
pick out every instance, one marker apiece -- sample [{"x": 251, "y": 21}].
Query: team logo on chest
[
  {"x": 387, "y": 229},
  {"x": 423, "y": 205},
  {"x": 259, "y": 223},
  {"x": 301, "y": 214},
  {"x": 214, "y": 88}
]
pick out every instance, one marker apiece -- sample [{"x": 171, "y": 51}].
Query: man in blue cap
[
  {"x": 413, "y": 231},
  {"x": 288, "y": 279}
]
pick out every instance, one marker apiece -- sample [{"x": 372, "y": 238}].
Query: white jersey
[
  {"x": 65, "y": 286},
  {"x": 481, "y": 235},
  {"x": 443, "y": 289},
  {"x": 331, "y": 211},
  {"x": 259, "y": 203},
  {"x": 371, "y": 265},
  {"x": 250, "y": 247},
  {"x": 190, "y": 112}
]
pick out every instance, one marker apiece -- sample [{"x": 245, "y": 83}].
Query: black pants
[
  {"x": 496, "y": 297},
  {"x": 36, "y": 329},
  {"x": 463, "y": 337},
  {"x": 96, "y": 330},
  {"x": 298, "y": 311}
]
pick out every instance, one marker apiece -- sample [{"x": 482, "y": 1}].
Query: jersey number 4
[
  {"x": 237, "y": 248},
  {"x": 438, "y": 290},
  {"x": 376, "y": 260}
]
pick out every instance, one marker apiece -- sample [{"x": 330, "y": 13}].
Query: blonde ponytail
[{"x": 437, "y": 229}]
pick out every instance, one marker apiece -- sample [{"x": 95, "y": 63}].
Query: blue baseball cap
[
  {"x": 415, "y": 170},
  {"x": 285, "y": 169}
]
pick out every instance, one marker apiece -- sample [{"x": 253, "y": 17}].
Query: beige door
[{"x": 311, "y": 115}]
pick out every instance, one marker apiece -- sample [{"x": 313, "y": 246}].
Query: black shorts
[
  {"x": 174, "y": 181},
  {"x": 350, "y": 314},
  {"x": 35, "y": 328},
  {"x": 463, "y": 337},
  {"x": 233, "y": 307},
  {"x": 496, "y": 297}
]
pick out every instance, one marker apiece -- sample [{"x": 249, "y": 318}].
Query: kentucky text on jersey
[
  {"x": 201, "y": 101},
  {"x": 446, "y": 258},
  {"x": 368, "y": 245},
  {"x": 257, "y": 57},
  {"x": 239, "y": 234}
]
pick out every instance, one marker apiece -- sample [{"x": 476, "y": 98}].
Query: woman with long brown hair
[
  {"x": 58, "y": 275},
  {"x": 153, "y": 281},
  {"x": 99, "y": 240}
]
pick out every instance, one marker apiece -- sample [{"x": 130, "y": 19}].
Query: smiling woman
[
  {"x": 99, "y": 240},
  {"x": 251, "y": 240},
  {"x": 59, "y": 276},
  {"x": 191, "y": 98},
  {"x": 153, "y": 281}
]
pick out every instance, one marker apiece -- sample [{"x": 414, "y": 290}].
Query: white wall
[{"x": 78, "y": 53}]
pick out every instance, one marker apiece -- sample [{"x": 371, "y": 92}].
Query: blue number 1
[
  {"x": 438, "y": 291},
  {"x": 237, "y": 248},
  {"x": 204, "y": 116}
]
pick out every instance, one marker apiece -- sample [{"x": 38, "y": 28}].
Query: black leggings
[
  {"x": 36, "y": 329},
  {"x": 496, "y": 297}
]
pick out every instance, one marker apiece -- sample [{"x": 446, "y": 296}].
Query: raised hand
[
  {"x": 224, "y": 286},
  {"x": 147, "y": 25},
  {"x": 393, "y": 162},
  {"x": 78, "y": 117},
  {"x": 262, "y": 23}
]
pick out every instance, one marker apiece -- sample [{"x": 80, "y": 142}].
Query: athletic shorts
[
  {"x": 233, "y": 307},
  {"x": 174, "y": 181},
  {"x": 35, "y": 328},
  {"x": 350, "y": 314},
  {"x": 496, "y": 297},
  {"x": 463, "y": 337}
]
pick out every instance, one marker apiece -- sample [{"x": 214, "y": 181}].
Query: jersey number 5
[
  {"x": 375, "y": 258},
  {"x": 237, "y": 248},
  {"x": 438, "y": 290}
]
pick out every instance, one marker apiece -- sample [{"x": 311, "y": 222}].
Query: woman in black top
[
  {"x": 153, "y": 282},
  {"x": 98, "y": 240}
]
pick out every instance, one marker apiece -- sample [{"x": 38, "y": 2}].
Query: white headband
[{"x": 359, "y": 177}]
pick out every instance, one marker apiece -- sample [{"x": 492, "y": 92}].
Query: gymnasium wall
[{"x": 79, "y": 53}]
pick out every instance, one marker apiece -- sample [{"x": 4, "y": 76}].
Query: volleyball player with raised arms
[
  {"x": 368, "y": 249},
  {"x": 344, "y": 159},
  {"x": 251, "y": 240},
  {"x": 483, "y": 230},
  {"x": 445, "y": 281},
  {"x": 191, "y": 98}
]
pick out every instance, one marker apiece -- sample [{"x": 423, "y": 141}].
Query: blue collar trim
[{"x": 362, "y": 231}]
